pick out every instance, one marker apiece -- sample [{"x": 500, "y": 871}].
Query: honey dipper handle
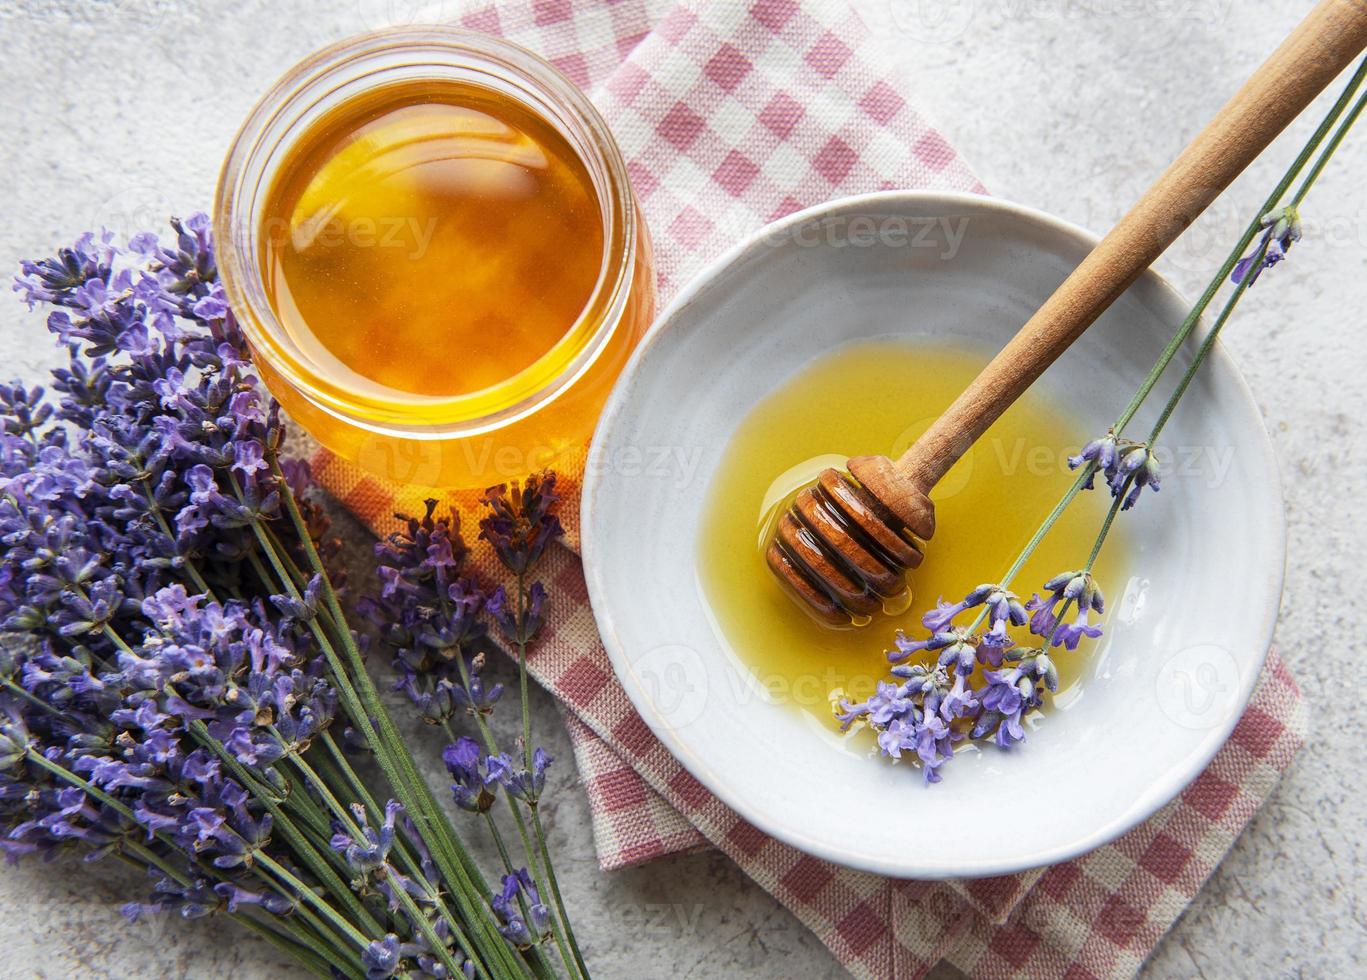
[{"x": 1320, "y": 47}]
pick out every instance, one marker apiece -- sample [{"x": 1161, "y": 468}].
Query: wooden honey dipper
[{"x": 846, "y": 543}]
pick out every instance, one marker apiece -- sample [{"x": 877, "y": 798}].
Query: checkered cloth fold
[{"x": 731, "y": 115}]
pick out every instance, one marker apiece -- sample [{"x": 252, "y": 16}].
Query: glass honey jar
[{"x": 432, "y": 246}]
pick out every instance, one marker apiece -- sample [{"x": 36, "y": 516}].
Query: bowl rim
[{"x": 1164, "y": 791}]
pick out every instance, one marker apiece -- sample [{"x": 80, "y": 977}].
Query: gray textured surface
[{"x": 119, "y": 112}]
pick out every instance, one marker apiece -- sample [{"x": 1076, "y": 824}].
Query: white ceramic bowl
[{"x": 1186, "y": 641}]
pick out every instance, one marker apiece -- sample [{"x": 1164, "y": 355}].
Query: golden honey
[
  {"x": 432, "y": 245},
  {"x": 986, "y": 507},
  {"x": 430, "y": 239}
]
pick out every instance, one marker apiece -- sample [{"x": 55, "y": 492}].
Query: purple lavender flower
[
  {"x": 897, "y": 734},
  {"x": 1138, "y": 468},
  {"x": 522, "y": 931},
  {"x": 1003, "y": 607},
  {"x": 1281, "y": 230},
  {"x": 236, "y": 897},
  {"x": 959, "y": 701},
  {"x": 428, "y": 615},
  {"x": 166, "y": 662},
  {"x": 904, "y": 647},
  {"x": 520, "y": 783},
  {"x": 521, "y": 521},
  {"x": 934, "y": 746},
  {"x": 1005, "y": 700},
  {"x": 887, "y": 702},
  {"x": 52, "y": 280},
  {"x": 938, "y": 619},
  {"x": 474, "y": 782},
  {"x": 1004, "y": 610},
  {"x": 1040, "y": 666},
  {"x": 192, "y": 900},
  {"x": 916, "y": 714},
  {"x": 960, "y": 654},
  {"x": 1125, "y": 464},
  {"x": 367, "y": 851},
  {"x": 1069, "y": 590},
  {"x": 134, "y": 482},
  {"x": 1103, "y": 452},
  {"x": 381, "y": 958},
  {"x": 523, "y": 628},
  {"x": 1071, "y": 634}
]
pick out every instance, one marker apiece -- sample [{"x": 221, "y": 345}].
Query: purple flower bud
[
  {"x": 521, "y": 523},
  {"x": 475, "y": 780},
  {"x": 939, "y": 618},
  {"x": 519, "y": 930},
  {"x": 1281, "y": 230},
  {"x": 381, "y": 958},
  {"x": 518, "y": 781}
]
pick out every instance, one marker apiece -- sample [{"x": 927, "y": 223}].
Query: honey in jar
[
  {"x": 440, "y": 271},
  {"x": 431, "y": 239}
]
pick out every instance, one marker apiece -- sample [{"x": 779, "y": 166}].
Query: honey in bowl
[
  {"x": 431, "y": 243},
  {"x": 987, "y": 507}
]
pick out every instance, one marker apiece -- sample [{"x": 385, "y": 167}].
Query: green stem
[
  {"x": 378, "y": 727},
  {"x": 1209, "y": 342},
  {"x": 1091, "y": 559},
  {"x": 308, "y": 895},
  {"x": 312, "y": 856},
  {"x": 330, "y": 800},
  {"x": 93, "y": 791},
  {"x": 343, "y": 770},
  {"x": 1206, "y": 346},
  {"x": 543, "y": 967},
  {"x": 1213, "y": 288},
  {"x": 1251, "y": 232},
  {"x": 303, "y": 943},
  {"x": 1085, "y": 475},
  {"x": 491, "y": 748},
  {"x": 302, "y": 847},
  {"x": 1106, "y": 527},
  {"x": 522, "y": 672},
  {"x": 486, "y": 735},
  {"x": 555, "y": 890},
  {"x": 533, "y": 864},
  {"x": 302, "y": 950},
  {"x": 19, "y": 691},
  {"x": 562, "y": 917},
  {"x": 1328, "y": 152},
  {"x": 419, "y": 918}
]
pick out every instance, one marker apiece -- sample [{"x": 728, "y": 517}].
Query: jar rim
[{"x": 422, "y": 53}]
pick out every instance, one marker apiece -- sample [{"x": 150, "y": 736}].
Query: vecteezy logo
[
  {"x": 130, "y": 210},
  {"x": 139, "y": 13},
  {"x": 674, "y": 680},
  {"x": 375, "y": 14},
  {"x": 932, "y": 21},
  {"x": 1198, "y": 686},
  {"x": 410, "y": 462}
]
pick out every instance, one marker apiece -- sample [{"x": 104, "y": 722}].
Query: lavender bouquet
[
  {"x": 180, "y": 688},
  {"x": 987, "y": 661}
]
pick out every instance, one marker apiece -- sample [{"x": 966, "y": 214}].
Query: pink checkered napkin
[{"x": 731, "y": 115}]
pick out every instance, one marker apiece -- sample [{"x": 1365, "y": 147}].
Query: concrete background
[{"x": 119, "y": 112}]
